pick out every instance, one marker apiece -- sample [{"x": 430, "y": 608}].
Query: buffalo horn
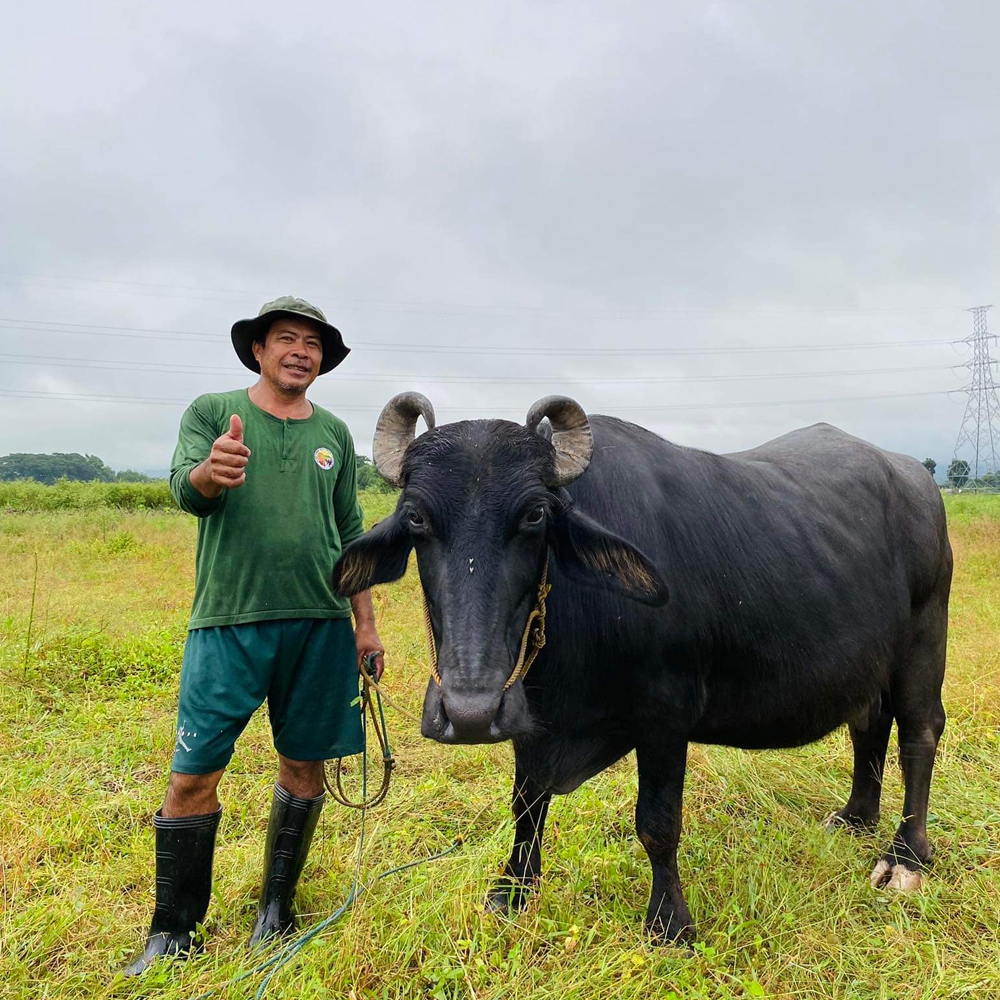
[
  {"x": 395, "y": 430},
  {"x": 571, "y": 436}
]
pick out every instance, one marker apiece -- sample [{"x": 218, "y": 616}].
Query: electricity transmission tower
[{"x": 979, "y": 437}]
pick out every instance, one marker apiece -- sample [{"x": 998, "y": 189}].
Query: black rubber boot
[
  {"x": 185, "y": 847},
  {"x": 289, "y": 834}
]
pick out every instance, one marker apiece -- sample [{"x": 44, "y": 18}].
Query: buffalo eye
[
  {"x": 414, "y": 520},
  {"x": 535, "y": 516}
]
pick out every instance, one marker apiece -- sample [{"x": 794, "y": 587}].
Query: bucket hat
[{"x": 246, "y": 331}]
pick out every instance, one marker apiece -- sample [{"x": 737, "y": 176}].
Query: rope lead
[{"x": 336, "y": 787}]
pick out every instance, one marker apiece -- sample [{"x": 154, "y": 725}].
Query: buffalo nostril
[
  {"x": 471, "y": 717},
  {"x": 472, "y": 721}
]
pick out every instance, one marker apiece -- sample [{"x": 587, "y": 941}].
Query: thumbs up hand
[
  {"x": 227, "y": 462},
  {"x": 226, "y": 465}
]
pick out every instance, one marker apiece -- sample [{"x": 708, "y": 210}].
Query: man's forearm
[
  {"x": 365, "y": 632},
  {"x": 364, "y": 611}
]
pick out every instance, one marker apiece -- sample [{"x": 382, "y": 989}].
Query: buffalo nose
[{"x": 472, "y": 717}]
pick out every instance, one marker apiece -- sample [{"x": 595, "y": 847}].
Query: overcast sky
[{"x": 495, "y": 180}]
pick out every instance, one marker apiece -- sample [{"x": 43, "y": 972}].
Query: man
[{"x": 272, "y": 479}]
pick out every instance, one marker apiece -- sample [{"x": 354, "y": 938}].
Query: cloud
[{"x": 567, "y": 175}]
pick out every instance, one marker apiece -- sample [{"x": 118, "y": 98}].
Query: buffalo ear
[
  {"x": 378, "y": 556},
  {"x": 595, "y": 557}
]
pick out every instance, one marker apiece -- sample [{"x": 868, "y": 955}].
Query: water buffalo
[{"x": 757, "y": 599}]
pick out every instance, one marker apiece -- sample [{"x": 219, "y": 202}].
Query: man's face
[{"x": 291, "y": 354}]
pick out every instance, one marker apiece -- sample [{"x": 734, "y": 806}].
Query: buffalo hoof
[
  {"x": 852, "y": 823},
  {"x": 509, "y": 895},
  {"x": 897, "y": 877},
  {"x": 675, "y": 930}
]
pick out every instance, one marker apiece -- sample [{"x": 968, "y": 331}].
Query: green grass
[
  {"x": 783, "y": 909},
  {"x": 27, "y": 496}
]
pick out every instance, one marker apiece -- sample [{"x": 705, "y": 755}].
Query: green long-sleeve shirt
[{"x": 267, "y": 549}]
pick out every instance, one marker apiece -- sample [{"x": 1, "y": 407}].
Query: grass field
[{"x": 783, "y": 909}]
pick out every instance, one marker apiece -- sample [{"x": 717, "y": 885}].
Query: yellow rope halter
[{"x": 534, "y": 632}]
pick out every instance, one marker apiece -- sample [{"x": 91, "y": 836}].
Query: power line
[
  {"x": 110, "y": 365},
  {"x": 445, "y": 308},
  {"x": 25, "y": 326},
  {"x": 97, "y": 329},
  {"x": 99, "y": 364},
  {"x": 108, "y": 398}
]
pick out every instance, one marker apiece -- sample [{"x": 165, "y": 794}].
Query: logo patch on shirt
[{"x": 324, "y": 458}]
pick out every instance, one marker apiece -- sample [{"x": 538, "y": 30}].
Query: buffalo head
[{"x": 483, "y": 503}]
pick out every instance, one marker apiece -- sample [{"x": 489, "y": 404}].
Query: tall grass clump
[
  {"x": 965, "y": 507},
  {"x": 27, "y": 496}
]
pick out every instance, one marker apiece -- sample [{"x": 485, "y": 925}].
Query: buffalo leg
[
  {"x": 658, "y": 822},
  {"x": 916, "y": 700},
  {"x": 862, "y": 808},
  {"x": 524, "y": 868}
]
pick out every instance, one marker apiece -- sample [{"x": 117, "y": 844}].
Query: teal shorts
[{"x": 306, "y": 668}]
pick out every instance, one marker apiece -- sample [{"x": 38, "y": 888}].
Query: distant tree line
[
  {"x": 960, "y": 476},
  {"x": 49, "y": 469}
]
